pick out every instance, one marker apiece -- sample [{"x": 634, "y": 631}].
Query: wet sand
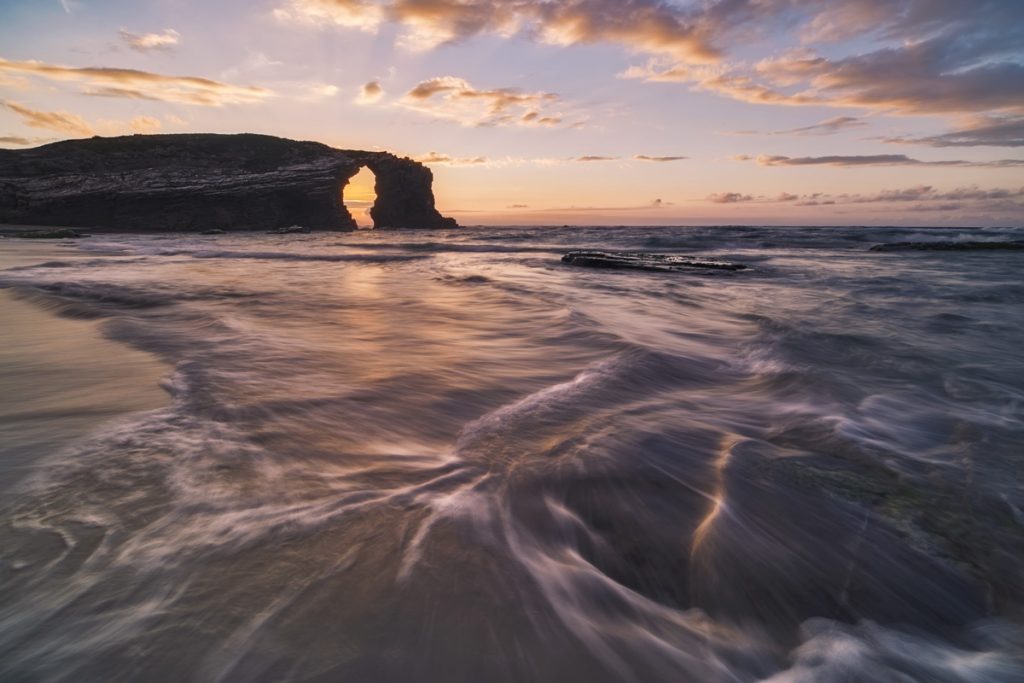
[{"x": 61, "y": 378}]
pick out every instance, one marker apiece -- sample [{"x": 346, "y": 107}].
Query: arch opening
[{"x": 359, "y": 195}]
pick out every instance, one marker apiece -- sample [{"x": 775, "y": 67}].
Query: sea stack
[{"x": 164, "y": 183}]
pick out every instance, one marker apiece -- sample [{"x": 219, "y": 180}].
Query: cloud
[
  {"x": 644, "y": 157},
  {"x": 535, "y": 118},
  {"x": 892, "y": 56},
  {"x": 830, "y": 126},
  {"x": 592, "y": 157},
  {"x": 982, "y": 132},
  {"x": 370, "y": 93},
  {"x": 19, "y": 141},
  {"x": 144, "y": 124},
  {"x": 920, "y": 194},
  {"x": 358, "y": 14},
  {"x": 456, "y": 99},
  {"x": 143, "y": 85},
  {"x": 69, "y": 6},
  {"x": 146, "y": 42},
  {"x": 953, "y": 206},
  {"x": 72, "y": 125},
  {"x": 446, "y": 160},
  {"x": 876, "y": 160},
  {"x": 930, "y": 57},
  {"x": 641, "y": 25},
  {"x": 826, "y": 127},
  {"x": 729, "y": 198},
  {"x": 59, "y": 121},
  {"x": 323, "y": 90},
  {"x": 927, "y": 192}
]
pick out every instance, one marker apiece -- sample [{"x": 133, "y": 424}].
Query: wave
[
  {"x": 452, "y": 247},
  {"x": 293, "y": 256},
  {"x": 501, "y": 469},
  {"x": 869, "y": 652}
]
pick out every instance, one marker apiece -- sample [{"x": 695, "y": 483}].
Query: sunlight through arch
[{"x": 360, "y": 195}]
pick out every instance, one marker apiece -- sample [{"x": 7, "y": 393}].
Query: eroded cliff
[{"x": 206, "y": 181}]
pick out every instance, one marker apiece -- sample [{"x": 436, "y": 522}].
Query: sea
[{"x": 404, "y": 456}]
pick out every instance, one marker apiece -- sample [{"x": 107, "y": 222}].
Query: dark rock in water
[
  {"x": 214, "y": 231},
  {"x": 155, "y": 183},
  {"x": 1014, "y": 245},
  {"x": 644, "y": 261},
  {"x": 293, "y": 230},
  {"x": 57, "y": 234}
]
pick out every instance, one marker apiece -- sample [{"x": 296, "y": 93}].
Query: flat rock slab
[
  {"x": 1015, "y": 245},
  {"x": 294, "y": 230},
  {"x": 57, "y": 234},
  {"x": 635, "y": 260}
]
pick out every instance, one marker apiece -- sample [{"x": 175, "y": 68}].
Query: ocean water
[{"x": 446, "y": 456}]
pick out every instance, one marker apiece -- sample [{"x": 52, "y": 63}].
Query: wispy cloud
[
  {"x": 146, "y": 42},
  {"x": 456, "y": 99},
  {"x": 323, "y": 90},
  {"x": 982, "y": 132},
  {"x": 830, "y": 126},
  {"x": 920, "y": 194},
  {"x": 876, "y": 160},
  {"x": 644, "y": 157},
  {"x": 143, "y": 85},
  {"x": 729, "y": 198},
  {"x": 19, "y": 141},
  {"x": 358, "y": 14},
  {"x": 503, "y": 162},
  {"x": 59, "y": 121},
  {"x": 73, "y": 125},
  {"x": 447, "y": 160},
  {"x": 826, "y": 127}
]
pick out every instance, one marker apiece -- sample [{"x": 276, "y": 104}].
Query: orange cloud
[
  {"x": 150, "y": 41},
  {"x": 370, "y": 92},
  {"x": 59, "y": 121},
  {"x": 73, "y": 125},
  {"x": 134, "y": 84},
  {"x": 456, "y": 99},
  {"x": 359, "y": 14}
]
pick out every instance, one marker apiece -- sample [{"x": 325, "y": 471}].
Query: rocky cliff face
[{"x": 202, "y": 182}]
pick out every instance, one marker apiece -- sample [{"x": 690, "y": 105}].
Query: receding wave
[{"x": 451, "y": 457}]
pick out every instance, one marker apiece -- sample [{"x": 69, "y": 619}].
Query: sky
[{"x": 606, "y": 112}]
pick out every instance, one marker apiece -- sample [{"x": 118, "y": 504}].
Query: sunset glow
[{"x": 587, "y": 111}]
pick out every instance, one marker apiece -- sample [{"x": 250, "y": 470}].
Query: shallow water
[{"x": 448, "y": 457}]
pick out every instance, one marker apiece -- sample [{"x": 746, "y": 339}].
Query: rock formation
[
  {"x": 1013, "y": 245},
  {"x": 644, "y": 261},
  {"x": 207, "y": 182}
]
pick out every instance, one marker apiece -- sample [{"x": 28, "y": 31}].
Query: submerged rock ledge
[
  {"x": 644, "y": 261},
  {"x": 1015, "y": 245},
  {"x": 193, "y": 182}
]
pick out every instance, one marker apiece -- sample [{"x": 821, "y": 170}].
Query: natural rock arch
[
  {"x": 404, "y": 189},
  {"x": 201, "y": 182}
]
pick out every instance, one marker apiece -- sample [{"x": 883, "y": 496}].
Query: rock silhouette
[
  {"x": 196, "y": 182},
  {"x": 644, "y": 261},
  {"x": 1013, "y": 245}
]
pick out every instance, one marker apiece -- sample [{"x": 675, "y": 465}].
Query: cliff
[{"x": 201, "y": 182}]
